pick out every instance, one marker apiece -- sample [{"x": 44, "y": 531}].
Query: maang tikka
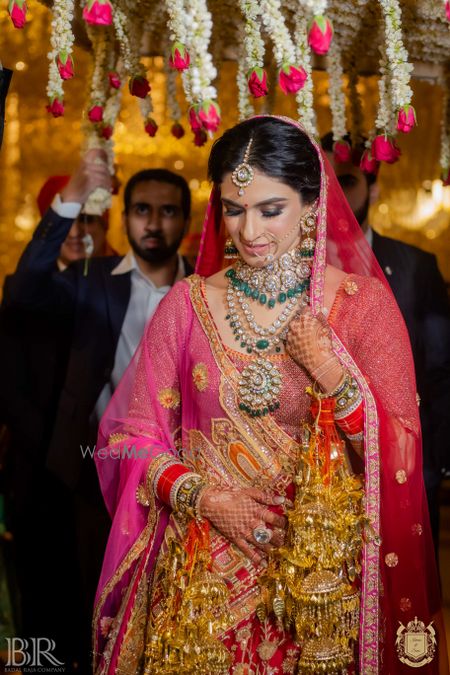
[{"x": 243, "y": 174}]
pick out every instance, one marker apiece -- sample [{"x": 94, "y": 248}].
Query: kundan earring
[{"x": 230, "y": 250}]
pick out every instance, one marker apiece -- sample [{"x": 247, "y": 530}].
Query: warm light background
[{"x": 413, "y": 206}]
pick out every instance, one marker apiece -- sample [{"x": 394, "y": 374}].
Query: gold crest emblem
[{"x": 416, "y": 644}]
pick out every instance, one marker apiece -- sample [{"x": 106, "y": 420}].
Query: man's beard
[
  {"x": 362, "y": 213},
  {"x": 160, "y": 254}
]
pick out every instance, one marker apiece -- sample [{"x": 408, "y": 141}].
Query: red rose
[
  {"x": 342, "y": 152},
  {"x": 98, "y": 12},
  {"x": 56, "y": 107},
  {"x": 385, "y": 149},
  {"x": 177, "y": 130},
  {"x": 368, "y": 164},
  {"x": 95, "y": 114},
  {"x": 446, "y": 176},
  {"x": 209, "y": 115},
  {"x": 194, "y": 120},
  {"x": 151, "y": 127},
  {"x": 114, "y": 80},
  {"x": 257, "y": 82},
  {"x": 179, "y": 57},
  {"x": 291, "y": 78},
  {"x": 447, "y": 9},
  {"x": 107, "y": 132},
  {"x": 18, "y": 12},
  {"x": 200, "y": 137},
  {"x": 65, "y": 65},
  {"x": 406, "y": 119},
  {"x": 320, "y": 34},
  {"x": 139, "y": 86}
]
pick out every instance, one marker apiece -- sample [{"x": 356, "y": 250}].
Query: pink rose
[
  {"x": 368, "y": 164},
  {"x": 177, "y": 130},
  {"x": 65, "y": 65},
  {"x": 446, "y": 176},
  {"x": 139, "y": 86},
  {"x": 98, "y": 12},
  {"x": 151, "y": 127},
  {"x": 209, "y": 115},
  {"x": 385, "y": 149},
  {"x": 406, "y": 119},
  {"x": 114, "y": 80},
  {"x": 95, "y": 114},
  {"x": 179, "y": 57},
  {"x": 194, "y": 120},
  {"x": 56, "y": 107},
  {"x": 291, "y": 78},
  {"x": 18, "y": 12},
  {"x": 320, "y": 34},
  {"x": 342, "y": 152},
  {"x": 257, "y": 82},
  {"x": 447, "y": 9},
  {"x": 200, "y": 137},
  {"x": 107, "y": 132}
]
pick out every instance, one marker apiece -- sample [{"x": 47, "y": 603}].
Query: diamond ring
[{"x": 262, "y": 534}]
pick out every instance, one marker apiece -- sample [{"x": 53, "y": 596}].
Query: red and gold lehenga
[{"x": 179, "y": 396}]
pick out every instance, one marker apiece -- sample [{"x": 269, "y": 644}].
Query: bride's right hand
[{"x": 236, "y": 513}]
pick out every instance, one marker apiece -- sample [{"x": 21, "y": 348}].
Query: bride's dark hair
[{"x": 278, "y": 150}]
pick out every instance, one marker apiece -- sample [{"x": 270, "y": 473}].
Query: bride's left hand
[{"x": 309, "y": 344}]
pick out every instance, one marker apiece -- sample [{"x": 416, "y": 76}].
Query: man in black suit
[
  {"x": 107, "y": 310},
  {"x": 420, "y": 291}
]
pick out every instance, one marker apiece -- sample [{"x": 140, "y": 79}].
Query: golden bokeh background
[{"x": 413, "y": 205}]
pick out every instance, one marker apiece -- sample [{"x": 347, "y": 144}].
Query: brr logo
[{"x": 35, "y": 651}]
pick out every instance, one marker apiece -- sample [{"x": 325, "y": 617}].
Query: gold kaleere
[
  {"x": 184, "y": 639},
  {"x": 310, "y": 583}
]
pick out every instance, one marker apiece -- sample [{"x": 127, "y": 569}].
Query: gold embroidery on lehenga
[
  {"x": 169, "y": 398},
  {"x": 200, "y": 376}
]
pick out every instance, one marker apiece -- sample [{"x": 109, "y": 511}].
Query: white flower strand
[
  {"x": 336, "y": 91},
  {"x": 385, "y": 120},
  {"x": 55, "y": 84},
  {"x": 101, "y": 44},
  {"x": 245, "y": 108},
  {"x": 304, "y": 97},
  {"x": 445, "y": 125},
  {"x": 197, "y": 80},
  {"x": 253, "y": 43},
  {"x": 275, "y": 25},
  {"x": 397, "y": 56},
  {"x": 315, "y": 7},
  {"x": 172, "y": 105},
  {"x": 177, "y": 21},
  {"x": 129, "y": 38},
  {"x": 61, "y": 40}
]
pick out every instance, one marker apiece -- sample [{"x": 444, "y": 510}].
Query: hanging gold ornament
[{"x": 310, "y": 582}]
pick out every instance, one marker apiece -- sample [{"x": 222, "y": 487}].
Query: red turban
[{"x": 49, "y": 190}]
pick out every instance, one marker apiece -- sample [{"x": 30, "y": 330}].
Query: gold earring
[{"x": 230, "y": 250}]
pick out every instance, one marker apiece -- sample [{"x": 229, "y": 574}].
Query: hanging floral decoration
[
  {"x": 445, "y": 132},
  {"x": 272, "y": 41}
]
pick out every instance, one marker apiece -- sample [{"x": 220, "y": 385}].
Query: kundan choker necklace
[{"x": 284, "y": 281}]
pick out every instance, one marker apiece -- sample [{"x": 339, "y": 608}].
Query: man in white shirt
[{"x": 106, "y": 310}]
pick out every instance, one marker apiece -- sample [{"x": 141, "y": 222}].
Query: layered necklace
[{"x": 285, "y": 282}]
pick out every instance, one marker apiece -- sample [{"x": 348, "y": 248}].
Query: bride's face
[{"x": 265, "y": 220}]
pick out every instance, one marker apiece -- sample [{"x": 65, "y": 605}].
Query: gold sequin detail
[
  {"x": 400, "y": 476},
  {"x": 200, "y": 376},
  {"x": 417, "y": 529},
  {"x": 117, "y": 438},
  {"x": 391, "y": 560},
  {"x": 142, "y": 495},
  {"x": 350, "y": 287},
  {"x": 405, "y": 604},
  {"x": 169, "y": 398}
]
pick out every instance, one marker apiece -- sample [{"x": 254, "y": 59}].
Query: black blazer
[
  {"x": 94, "y": 307},
  {"x": 420, "y": 291}
]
